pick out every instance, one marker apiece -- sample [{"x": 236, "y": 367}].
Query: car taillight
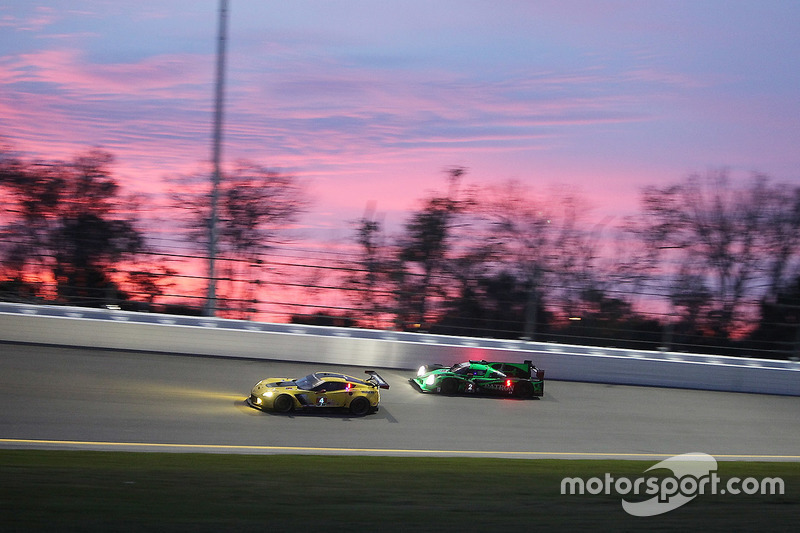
[{"x": 508, "y": 383}]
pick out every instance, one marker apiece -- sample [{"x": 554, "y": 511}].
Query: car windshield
[
  {"x": 458, "y": 366},
  {"x": 308, "y": 382}
]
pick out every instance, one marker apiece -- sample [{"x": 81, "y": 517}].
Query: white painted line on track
[{"x": 369, "y": 451}]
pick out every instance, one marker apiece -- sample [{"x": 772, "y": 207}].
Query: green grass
[{"x": 118, "y": 491}]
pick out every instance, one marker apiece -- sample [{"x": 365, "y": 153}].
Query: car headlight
[
  {"x": 430, "y": 380},
  {"x": 421, "y": 371},
  {"x": 267, "y": 394}
]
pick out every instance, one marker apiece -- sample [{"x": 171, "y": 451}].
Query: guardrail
[{"x": 177, "y": 334}]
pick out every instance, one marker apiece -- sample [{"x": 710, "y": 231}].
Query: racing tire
[
  {"x": 359, "y": 406},
  {"x": 449, "y": 386},
  {"x": 523, "y": 389},
  {"x": 283, "y": 404}
]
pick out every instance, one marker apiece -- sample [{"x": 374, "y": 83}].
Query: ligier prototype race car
[
  {"x": 522, "y": 380},
  {"x": 319, "y": 390}
]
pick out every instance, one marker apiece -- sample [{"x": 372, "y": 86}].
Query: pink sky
[{"x": 371, "y": 101}]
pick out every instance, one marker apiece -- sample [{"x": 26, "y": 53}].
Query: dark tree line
[
  {"x": 65, "y": 222},
  {"x": 255, "y": 205},
  {"x": 69, "y": 234},
  {"x": 706, "y": 263},
  {"x": 718, "y": 265}
]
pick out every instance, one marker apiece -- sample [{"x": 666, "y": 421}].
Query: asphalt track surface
[{"x": 67, "y": 398}]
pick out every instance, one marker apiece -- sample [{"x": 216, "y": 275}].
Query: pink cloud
[
  {"x": 38, "y": 20},
  {"x": 355, "y": 111},
  {"x": 67, "y": 70}
]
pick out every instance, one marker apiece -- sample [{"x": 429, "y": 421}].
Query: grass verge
[{"x": 119, "y": 491}]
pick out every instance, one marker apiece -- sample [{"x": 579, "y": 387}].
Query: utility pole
[{"x": 211, "y": 297}]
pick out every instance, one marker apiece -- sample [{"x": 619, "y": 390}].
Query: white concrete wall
[{"x": 171, "y": 334}]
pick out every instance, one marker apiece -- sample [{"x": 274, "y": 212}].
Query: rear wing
[
  {"x": 537, "y": 373},
  {"x": 376, "y": 379}
]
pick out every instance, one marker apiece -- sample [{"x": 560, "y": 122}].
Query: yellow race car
[{"x": 319, "y": 390}]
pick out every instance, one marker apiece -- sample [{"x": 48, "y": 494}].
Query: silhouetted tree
[
  {"x": 544, "y": 245},
  {"x": 778, "y": 329},
  {"x": 147, "y": 285},
  {"x": 71, "y": 224},
  {"x": 782, "y": 238},
  {"x": 491, "y": 305},
  {"x": 609, "y": 320},
  {"x": 256, "y": 206},
  {"x": 731, "y": 241},
  {"x": 369, "y": 281},
  {"x": 423, "y": 254}
]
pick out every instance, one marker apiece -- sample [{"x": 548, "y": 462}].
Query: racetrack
[{"x": 98, "y": 399}]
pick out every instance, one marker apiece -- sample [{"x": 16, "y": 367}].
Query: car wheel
[
  {"x": 359, "y": 406},
  {"x": 523, "y": 389},
  {"x": 283, "y": 404},
  {"x": 449, "y": 386}
]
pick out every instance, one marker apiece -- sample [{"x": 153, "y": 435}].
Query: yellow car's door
[{"x": 330, "y": 394}]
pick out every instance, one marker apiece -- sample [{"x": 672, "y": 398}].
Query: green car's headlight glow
[
  {"x": 421, "y": 371},
  {"x": 430, "y": 380}
]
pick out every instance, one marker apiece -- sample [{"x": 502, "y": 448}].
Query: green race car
[{"x": 522, "y": 380}]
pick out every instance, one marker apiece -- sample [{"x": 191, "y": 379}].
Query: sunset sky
[{"x": 370, "y": 101}]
